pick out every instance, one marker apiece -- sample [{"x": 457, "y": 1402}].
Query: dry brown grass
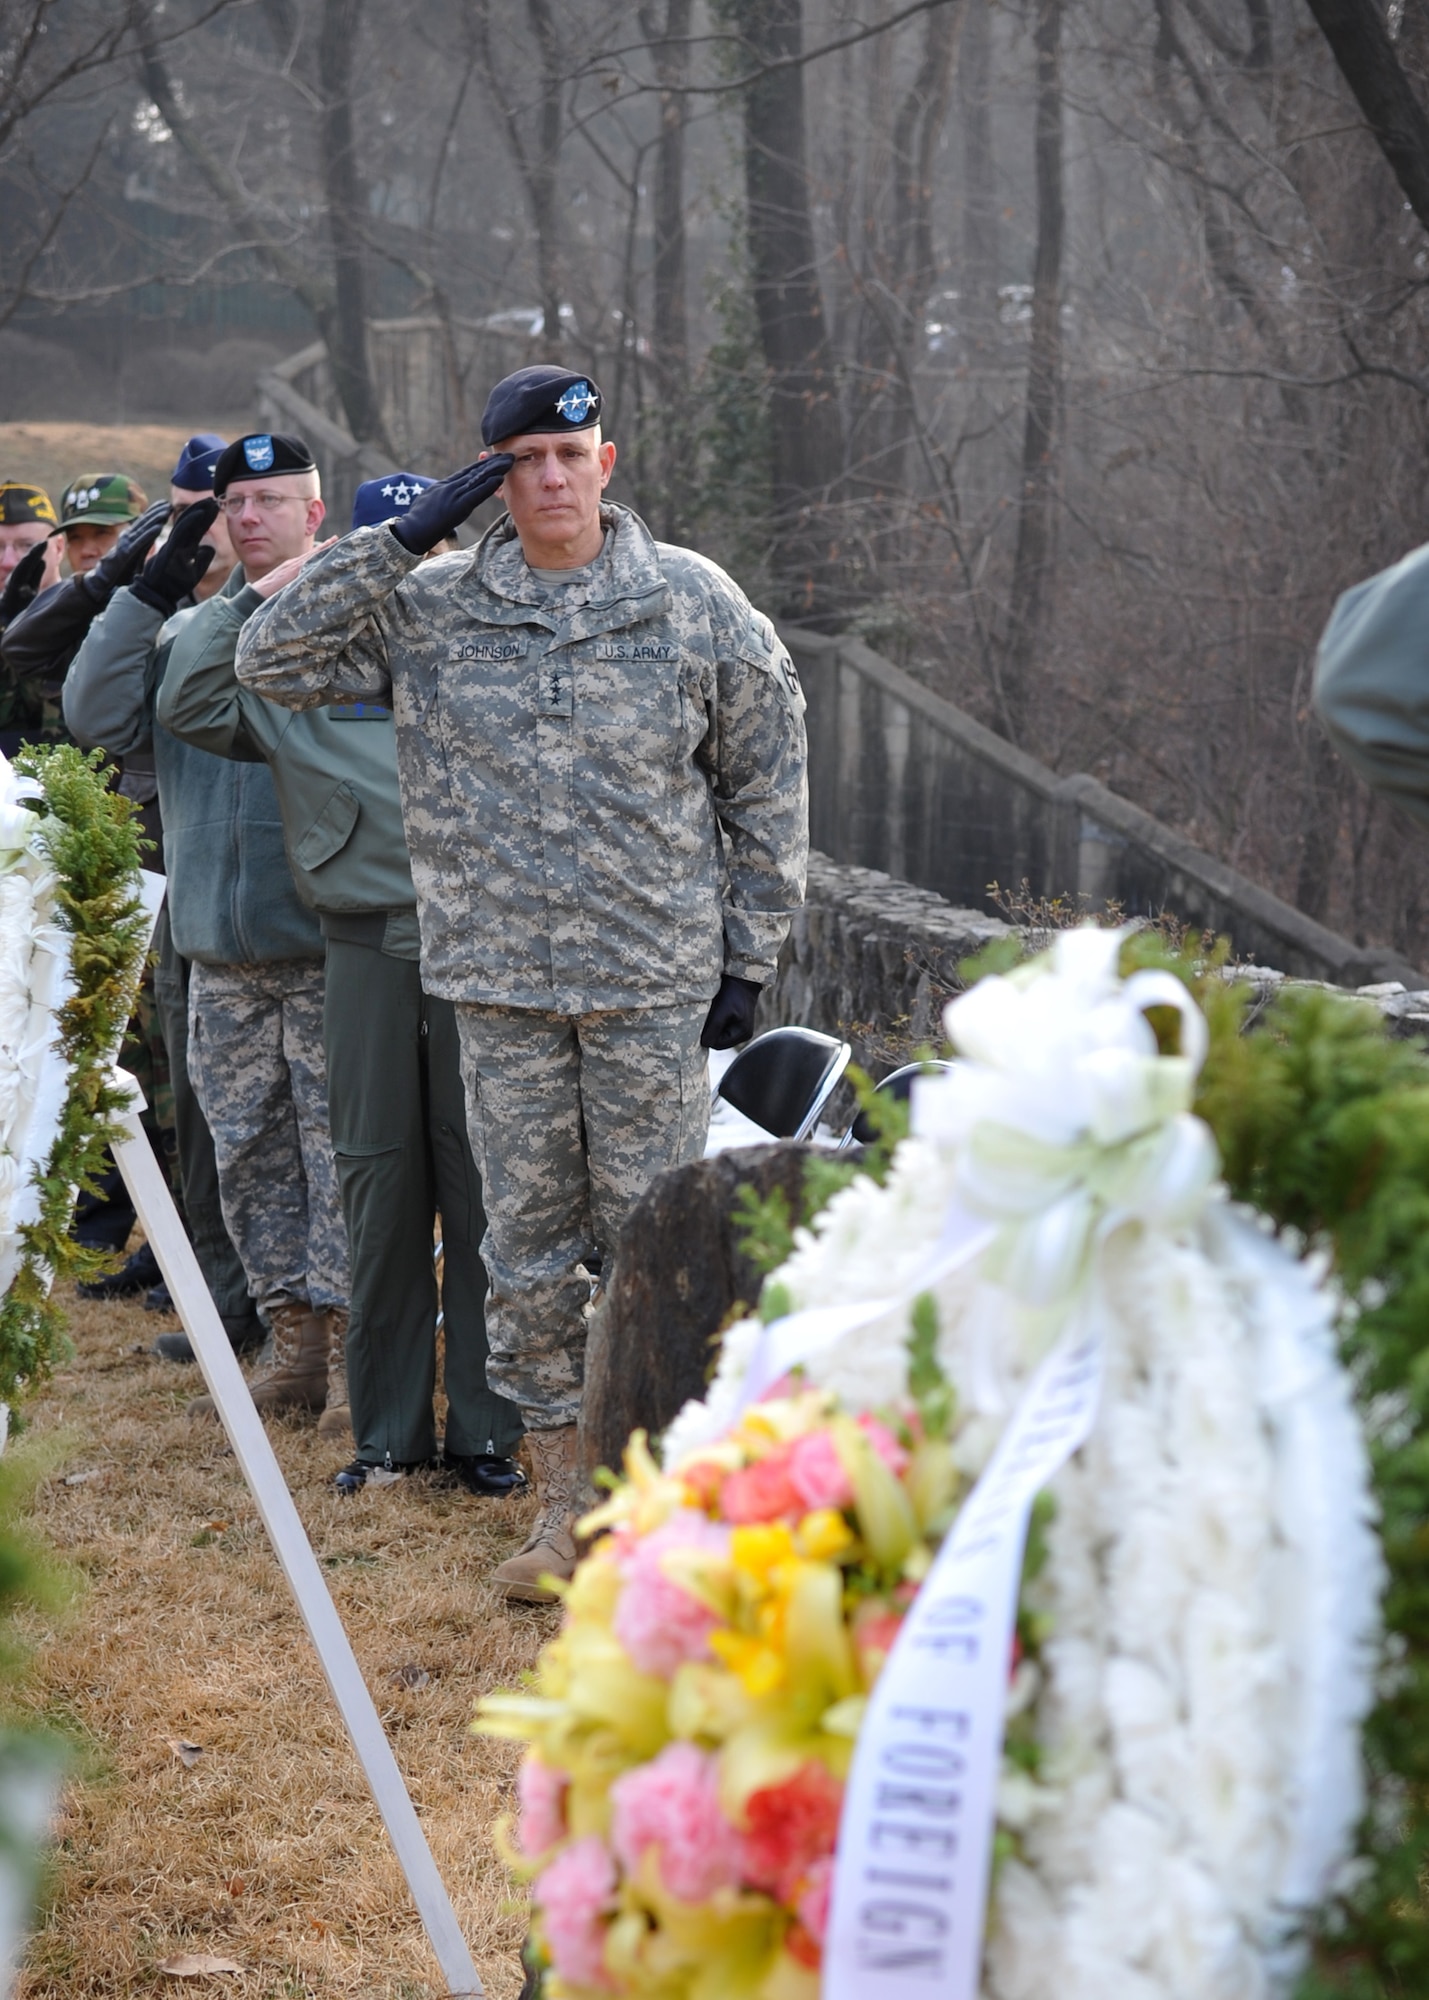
[
  {"x": 51, "y": 455},
  {"x": 268, "y": 1850}
]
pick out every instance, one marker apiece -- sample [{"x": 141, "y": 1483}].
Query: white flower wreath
[
  {"x": 1213, "y": 1574},
  {"x": 34, "y": 979}
]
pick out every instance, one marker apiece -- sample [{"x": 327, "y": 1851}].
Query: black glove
[
  {"x": 121, "y": 565},
  {"x": 177, "y": 570},
  {"x": 23, "y": 584},
  {"x": 442, "y": 508},
  {"x": 730, "y": 1020}
]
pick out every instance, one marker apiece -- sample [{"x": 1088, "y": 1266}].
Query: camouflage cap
[
  {"x": 108, "y": 499},
  {"x": 20, "y": 503}
]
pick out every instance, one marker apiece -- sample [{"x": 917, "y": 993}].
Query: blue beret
[
  {"x": 379, "y": 500},
  {"x": 261, "y": 451},
  {"x": 194, "y": 471},
  {"x": 543, "y": 398}
]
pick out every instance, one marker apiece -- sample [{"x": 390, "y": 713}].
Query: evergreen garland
[{"x": 90, "y": 835}]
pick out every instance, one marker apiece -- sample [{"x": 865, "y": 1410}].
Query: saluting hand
[
  {"x": 272, "y": 583},
  {"x": 439, "y": 510},
  {"x": 179, "y": 567},
  {"x": 23, "y": 584},
  {"x": 123, "y": 561}
]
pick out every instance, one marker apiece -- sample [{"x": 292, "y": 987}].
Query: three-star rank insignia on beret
[
  {"x": 258, "y": 451},
  {"x": 576, "y": 403}
]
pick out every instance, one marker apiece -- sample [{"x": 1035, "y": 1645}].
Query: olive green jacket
[
  {"x": 1372, "y": 681},
  {"x": 334, "y": 770}
]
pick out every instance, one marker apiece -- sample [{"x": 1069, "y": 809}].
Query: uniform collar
[{"x": 624, "y": 582}]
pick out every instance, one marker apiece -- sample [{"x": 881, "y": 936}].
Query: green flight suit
[{"x": 395, "y": 1098}]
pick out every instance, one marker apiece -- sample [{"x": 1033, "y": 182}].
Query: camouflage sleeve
[
  {"x": 761, "y": 791},
  {"x": 323, "y": 637}
]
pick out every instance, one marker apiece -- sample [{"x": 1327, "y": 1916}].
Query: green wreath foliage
[{"x": 91, "y": 837}]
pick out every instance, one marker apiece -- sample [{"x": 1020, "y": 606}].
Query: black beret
[
  {"x": 261, "y": 451},
  {"x": 543, "y": 398}
]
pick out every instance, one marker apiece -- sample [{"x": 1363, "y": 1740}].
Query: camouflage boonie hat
[
  {"x": 108, "y": 499},
  {"x": 20, "y": 503}
]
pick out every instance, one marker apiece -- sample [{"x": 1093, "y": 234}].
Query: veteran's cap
[
  {"x": 194, "y": 470},
  {"x": 20, "y": 503},
  {"x": 379, "y": 500},
  {"x": 537, "y": 399},
  {"x": 262, "y": 451},
  {"x": 103, "y": 499}
]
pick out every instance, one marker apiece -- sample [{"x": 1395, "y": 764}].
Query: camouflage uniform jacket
[{"x": 603, "y": 784}]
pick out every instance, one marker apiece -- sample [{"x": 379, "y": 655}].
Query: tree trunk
[
  {"x": 1032, "y": 570},
  {"x": 977, "y": 306},
  {"x": 344, "y": 323},
  {"x": 805, "y": 430},
  {"x": 544, "y": 175},
  {"x": 537, "y": 163},
  {"x": 1360, "y": 44},
  {"x": 669, "y": 48}
]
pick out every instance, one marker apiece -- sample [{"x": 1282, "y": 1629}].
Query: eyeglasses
[{"x": 233, "y": 504}]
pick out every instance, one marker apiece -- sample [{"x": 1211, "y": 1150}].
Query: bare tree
[
  {"x": 1031, "y": 592},
  {"x": 803, "y": 400}
]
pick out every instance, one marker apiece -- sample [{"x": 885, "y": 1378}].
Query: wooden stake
[{"x": 169, "y": 1242}]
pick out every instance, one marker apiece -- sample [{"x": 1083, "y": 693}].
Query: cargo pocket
[
  {"x": 368, "y": 1175},
  {"x": 330, "y": 831}
]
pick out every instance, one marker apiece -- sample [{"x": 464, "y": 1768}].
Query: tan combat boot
[
  {"x": 336, "y": 1419},
  {"x": 296, "y": 1377},
  {"x": 550, "y": 1548}
]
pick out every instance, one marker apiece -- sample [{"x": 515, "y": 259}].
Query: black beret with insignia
[
  {"x": 538, "y": 399},
  {"x": 259, "y": 453}
]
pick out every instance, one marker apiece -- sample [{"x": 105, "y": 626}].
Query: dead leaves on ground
[{"x": 197, "y": 1965}]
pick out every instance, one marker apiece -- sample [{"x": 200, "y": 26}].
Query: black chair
[
  {"x": 898, "y": 1085},
  {"x": 783, "y": 1080}
]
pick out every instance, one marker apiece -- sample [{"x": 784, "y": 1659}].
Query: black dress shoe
[
  {"x": 158, "y": 1299},
  {"x": 484, "y": 1473},
  {"x": 354, "y": 1477},
  {"x": 137, "y": 1275},
  {"x": 243, "y": 1336}
]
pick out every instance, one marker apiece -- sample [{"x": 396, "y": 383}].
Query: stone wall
[
  {"x": 874, "y": 959},
  {"x": 904, "y": 781}
]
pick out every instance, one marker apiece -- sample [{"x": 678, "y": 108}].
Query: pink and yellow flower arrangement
[{"x": 692, "y": 1724}]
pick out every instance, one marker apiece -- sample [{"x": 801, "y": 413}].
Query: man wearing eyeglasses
[{"x": 255, "y": 1051}]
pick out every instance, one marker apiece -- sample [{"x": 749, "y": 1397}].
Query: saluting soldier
[
  {"x": 602, "y": 760},
  {"x": 394, "y": 1086}
]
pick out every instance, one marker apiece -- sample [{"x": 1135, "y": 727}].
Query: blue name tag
[{"x": 361, "y": 711}]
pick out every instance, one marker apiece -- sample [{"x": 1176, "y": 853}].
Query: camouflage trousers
[
  {"x": 571, "y": 1117},
  {"x": 256, "y": 1063}
]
